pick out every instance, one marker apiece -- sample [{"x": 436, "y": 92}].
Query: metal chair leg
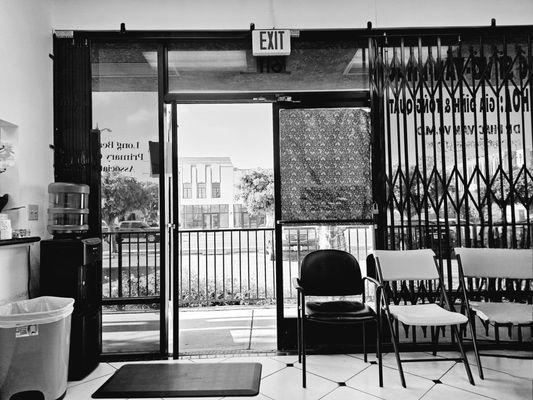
[
  {"x": 304, "y": 371},
  {"x": 471, "y": 322},
  {"x": 378, "y": 351},
  {"x": 396, "y": 345},
  {"x": 364, "y": 344},
  {"x": 298, "y": 336},
  {"x": 463, "y": 355},
  {"x": 435, "y": 338}
]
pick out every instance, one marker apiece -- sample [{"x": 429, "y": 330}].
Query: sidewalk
[{"x": 202, "y": 330}]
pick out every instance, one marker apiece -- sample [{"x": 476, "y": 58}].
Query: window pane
[
  {"x": 228, "y": 65},
  {"x": 125, "y": 108},
  {"x": 330, "y": 177},
  {"x": 215, "y": 190},
  {"x": 224, "y": 220},
  {"x": 200, "y": 187}
]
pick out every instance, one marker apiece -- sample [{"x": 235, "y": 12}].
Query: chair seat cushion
[
  {"x": 338, "y": 310},
  {"x": 426, "y": 315},
  {"x": 504, "y": 313}
]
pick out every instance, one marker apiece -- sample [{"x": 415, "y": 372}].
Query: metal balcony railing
[
  {"x": 227, "y": 266},
  {"x": 216, "y": 267},
  {"x": 131, "y": 265}
]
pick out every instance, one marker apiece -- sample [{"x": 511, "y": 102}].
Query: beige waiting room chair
[
  {"x": 482, "y": 266},
  {"x": 417, "y": 265}
]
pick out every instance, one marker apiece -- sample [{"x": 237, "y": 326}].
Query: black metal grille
[
  {"x": 77, "y": 147},
  {"x": 454, "y": 114}
]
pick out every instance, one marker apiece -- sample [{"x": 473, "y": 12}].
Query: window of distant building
[
  {"x": 187, "y": 190},
  {"x": 241, "y": 218},
  {"x": 208, "y": 216},
  {"x": 200, "y": 191},
  {"x": 215, "y": 190}
]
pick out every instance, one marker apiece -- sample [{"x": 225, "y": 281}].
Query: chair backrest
[
  {"x": 331, "y": 273},
  {"x": 496, "y": 263},
  {"x": 396, "y": 265}
]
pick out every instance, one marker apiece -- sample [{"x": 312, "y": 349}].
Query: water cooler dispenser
[{"x": 71, "y": 266}]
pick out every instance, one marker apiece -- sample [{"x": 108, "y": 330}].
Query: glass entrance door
[
  {"x": 324, "y": 192},
  {"x": 222, "y": 201}
]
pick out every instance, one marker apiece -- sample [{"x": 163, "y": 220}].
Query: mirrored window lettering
[{"x": 457, "y": 117}]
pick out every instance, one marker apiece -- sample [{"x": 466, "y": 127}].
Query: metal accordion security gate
[{"x": 452, "y": 111}]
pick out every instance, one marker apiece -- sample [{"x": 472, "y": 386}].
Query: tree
[
  {"x": 123, "y": 194},
  {"x": 256, "y": 192},
  {"x": 150, "y": 208}
]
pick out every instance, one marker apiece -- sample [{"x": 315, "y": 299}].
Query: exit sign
[{"x": 271, "y": 42}]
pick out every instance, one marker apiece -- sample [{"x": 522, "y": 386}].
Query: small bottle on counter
[{"x": 5, "y": 228}]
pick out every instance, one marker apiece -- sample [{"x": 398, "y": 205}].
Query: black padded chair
[{"x": 334, "y": 273}]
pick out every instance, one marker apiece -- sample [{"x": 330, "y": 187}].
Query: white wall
[
  {"x": 297, "y": 14},
  {"x": 26, "y": 113}
]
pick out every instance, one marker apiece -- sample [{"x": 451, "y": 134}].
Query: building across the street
[{"x": 208, "y": 195}]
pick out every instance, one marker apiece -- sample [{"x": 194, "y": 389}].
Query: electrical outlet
[{"x": 33, "y": 212}]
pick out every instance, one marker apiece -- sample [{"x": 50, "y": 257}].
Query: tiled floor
[{"x": 346, "y": 377}]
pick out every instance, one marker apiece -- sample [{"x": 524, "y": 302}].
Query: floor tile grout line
[
  {"x": 413, "y": 374},
  {"x": 474, "y": 366},
  {"x": 406, "y": 372},
  {"x": 385, "y": 366},
  {"x": 448, "y": 370},
  {"x": 508, "y": 373},
  {"x": 357, "y": 373},
  {"x": 268, "y": 397},
  {"x": 469, "y": 391},
  {"x": 427, "y": 391},
  {"x": 362, "y": 391},
  {"x": 473, "y": 363},
  {"x": 112, "y": 366},
  {"x": 364, "y": 369},
  {"x": 323, "y": 377},
  {"x": 420, "y": 376},
  {"x": 501, "y": 372},
  {"x": 275, "y": 372},
  {"x": 328, "y": 393},
  {"x": 90, "y": 380}
]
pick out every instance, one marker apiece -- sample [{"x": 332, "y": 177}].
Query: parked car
[
  {"x": 305, "y": 237},
  {"x": 134, "y": 231}
]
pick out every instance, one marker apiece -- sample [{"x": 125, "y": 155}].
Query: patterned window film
[{"x": 325, "y": 164}]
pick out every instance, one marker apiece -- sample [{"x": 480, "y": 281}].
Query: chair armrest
[
  {"x": 372, "y": 280},
  {"x": 296, "y": 284},
  {"x": 378, "y": 287}
]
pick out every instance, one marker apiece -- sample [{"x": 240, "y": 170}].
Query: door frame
[
  {"x": 172, "y": 264},
  {"x": 286, "y": 327},
  {"x": 297, "y": 100}
]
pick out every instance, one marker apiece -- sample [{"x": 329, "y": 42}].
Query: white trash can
[{"x": 34, "y": 347}]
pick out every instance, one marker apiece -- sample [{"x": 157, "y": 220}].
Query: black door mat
[{"x": 182, "y": 380}]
